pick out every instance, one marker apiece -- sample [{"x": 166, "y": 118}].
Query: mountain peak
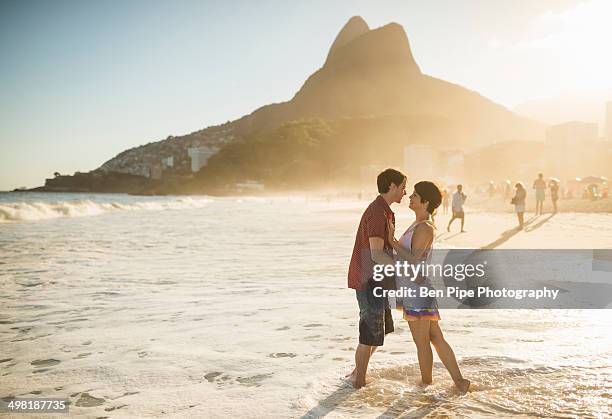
[
  {"x": 354, "y": 28},
  {"x": 386, "y": 48}
]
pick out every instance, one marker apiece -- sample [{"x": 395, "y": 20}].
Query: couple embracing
[{"x": 375, "y": 244}]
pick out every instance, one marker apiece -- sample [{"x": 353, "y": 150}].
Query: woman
[
  {"x": 422, "y": 313},
  {"x": 519, "y": 203}
]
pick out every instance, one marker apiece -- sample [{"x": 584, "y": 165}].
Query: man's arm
[{"x": 377, "y": 252}]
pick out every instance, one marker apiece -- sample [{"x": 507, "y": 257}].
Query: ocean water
[{"x": 211, "y": 307}]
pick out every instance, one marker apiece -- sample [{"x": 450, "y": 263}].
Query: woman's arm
[{"x": 421, "y": 241}]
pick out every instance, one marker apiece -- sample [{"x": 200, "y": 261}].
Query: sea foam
[{"x": 33, "y": 211}]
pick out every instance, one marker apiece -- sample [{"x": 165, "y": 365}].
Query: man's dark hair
[{"x": 387, "y": 177}]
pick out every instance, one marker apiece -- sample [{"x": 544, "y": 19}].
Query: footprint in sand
[
  {"x": 41, "y": 363},
  {"x": 110, "y": 409},
  {"x": 129, "y": 393},
  {"x": 282, "y": 355},
  {"x": 283, "y": 328},
  {"x": 253, "y": 381},
  {"x": 87, "y": 400},
  {"x": 211, "y": 376},
  {"x": 221, "y": 379},
  {"x": 313, "y": 325}
]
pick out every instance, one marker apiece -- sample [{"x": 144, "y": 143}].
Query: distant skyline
[{"x": 82, "y": 81}]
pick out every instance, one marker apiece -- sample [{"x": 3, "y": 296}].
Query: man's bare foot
[
  {"x": 352, "y": 378},
  {"x": 463, "y": 385},
  {"x": 357, "y": 384}
]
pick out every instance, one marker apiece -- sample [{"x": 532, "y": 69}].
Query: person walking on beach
[
  {"x": 415, "y": 246},
  {"x": 507, "y": 188},
  {"x": 540, "y": 188},
  {"x": 457, "y": 207},
  {"x": 492, "y": 189},
  {"x": 554, "y": 194},
  {"x": 372, "y": 247},
  {"x": 519, "y": 203},
  {"x": 445, "y": 194}
]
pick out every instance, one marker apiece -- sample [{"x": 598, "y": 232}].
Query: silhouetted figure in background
[
  {"x": 492, "y": 189},
  {"x": 445, "y": 194},
  {"x": 507, "y": 187},
  {"x": 540, "y": 187},
  {"x": 554, "y": 194},
  {"x": 457, "y": 206},
  {"x": 519, "y": 203}
]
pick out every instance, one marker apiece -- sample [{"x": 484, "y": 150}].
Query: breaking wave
[{"x": 34, "y": 211}]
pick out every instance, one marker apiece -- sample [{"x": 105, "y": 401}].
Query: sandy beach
[
  {"x": 494, "y": 230},
  {"x": 208, "y": 209},
  {"x": 140, "y": 306}
]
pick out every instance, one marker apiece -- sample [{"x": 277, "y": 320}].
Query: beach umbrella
[{"x": 594, "y": 179}]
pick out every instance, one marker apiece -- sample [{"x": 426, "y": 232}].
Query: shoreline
[{"x": 477, "y": 202}]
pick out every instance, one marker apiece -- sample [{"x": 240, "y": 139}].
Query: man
[
  {"x": 372, "y": 247},
  {"x": 457, "y": 206},
  {"x": 540, "y": 187}
]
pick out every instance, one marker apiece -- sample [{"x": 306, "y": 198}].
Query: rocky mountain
[
  {"x": 373, "y": 73},
  {"x": 370, "y": 77}
]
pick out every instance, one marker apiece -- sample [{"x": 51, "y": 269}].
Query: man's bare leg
[
  {"x": 362, "y": 358},
  {"x": 352, "y": 373}
]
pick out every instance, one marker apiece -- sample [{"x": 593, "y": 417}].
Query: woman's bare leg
[
  {"x": 420, "y": 335},
  {"x": 447, "y": 356}
]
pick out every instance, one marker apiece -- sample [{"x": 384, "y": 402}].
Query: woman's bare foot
[
  {"x": 463, "y": 385},
  {"x": 350, "y": 374}
]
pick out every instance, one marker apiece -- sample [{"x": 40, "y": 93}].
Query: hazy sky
[{"x": 81, "y": 81}]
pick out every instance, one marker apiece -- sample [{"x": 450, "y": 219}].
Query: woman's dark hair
[
  {"x": 429, "y": 192},
  {"x": 387, "y": 177}
]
